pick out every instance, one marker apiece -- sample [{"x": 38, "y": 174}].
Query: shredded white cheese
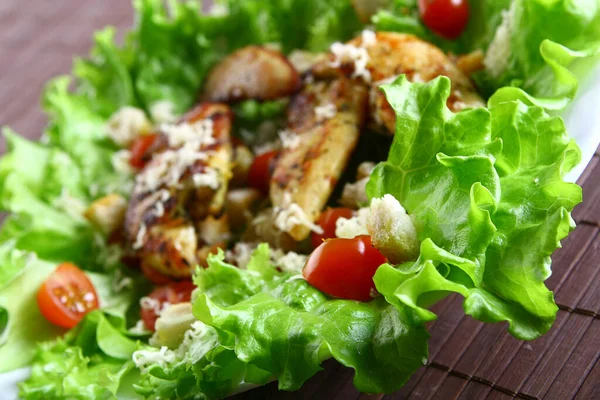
[
  {"x": 326, "y": 111},
  {"x": 290, "y": 262},
  {"x": 159, "y": 209},
  {"x": 200, "y": 133},
  {"x": 349, "y": 228},
  {"x": 289, "y": 139},
  {"x": 120, "y": 281},
  {"x": 208, "y": 178},
  {"x": 241, "y": 254},
  {"x": 416, "y": 77},
  {"x": 127, "y": 124},
  {"x": 163, "y": 112},
  {"x": 120, "y": 162},
  {"x": 368, "y": 38},
  {"x": 197, "y": 341},
  {"x": 291, "y": 215},
  {"x": 141, "y": 235},
  {"x": 168, "y": 167},
  {"x": 148, "y": 303},
  {"x": 350, "y": 54},
  {"x": 286, "y": 219},
  {"x": 265, "y": 148},
  {"x": 144, "y": 359},
  {"x": 459, "y": 105},
  {"x": 139, "y": 328}
]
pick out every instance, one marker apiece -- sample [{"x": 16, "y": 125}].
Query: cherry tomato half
[
  {"x": 327, "y": 222},
  {"x": 139, "y": 149},
  {"x": 66, "y": 296},
  {"x": 344, "y": 268},
  {"x": 447, "y": 18},
  {"x": 173, "y": 293},
  {"x": 259, "y": 175}
]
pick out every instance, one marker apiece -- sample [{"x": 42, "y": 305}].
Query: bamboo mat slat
[{"x": 468, "y": 359}]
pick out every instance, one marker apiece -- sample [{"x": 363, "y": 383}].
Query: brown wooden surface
[{"x": 468, "y": 359}]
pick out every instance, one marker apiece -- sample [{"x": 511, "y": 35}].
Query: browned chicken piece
[
  {"x": 471, "y": 62},
  {"x": 392, "y": 54},
  {"x": 186, "y": 181},
  {"x": 252, "y": 73},
  {"x": 170, "y": 249},
  {"x": 327, "y": 117}
]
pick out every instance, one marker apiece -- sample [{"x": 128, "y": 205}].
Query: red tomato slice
[
  {"x": 139, "y": 150},
  {"x": 259, "y": 174},
  {"x": 327, "y": 221},
  {"x": 173, "y": 293},
  {"x": 344, "y": 268},
  {"x": 447, "y": 18},
  {"x": 66, "y": 296}
]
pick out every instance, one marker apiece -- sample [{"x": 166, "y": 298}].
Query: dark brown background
[{"x": 468, "y": 360}]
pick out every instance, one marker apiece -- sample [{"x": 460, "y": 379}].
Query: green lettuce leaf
[
  {"x": 22, "y": 324},
  {"x": 285, "y": 327},
  {"x": 488, "y": 219},
  {"x": 539, "y": 42},
  {"x": 538, "y": 49},
  {"x": 89, "y": 363}
]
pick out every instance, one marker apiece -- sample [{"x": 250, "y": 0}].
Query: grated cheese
[
  {"x": 286, "y": 219},
  {"x": 120, "y": 282},
  {"x": 168, "y": 167},
  {"x": 241, "y": 254},
  {"x": 159, "y": 209},
  {"x": 163, "y": 112},
  {"x": 148, "y": 303},
  {"x": 349, "y": 228},
  {"x": 197, "y": 341},
  {"x": 208, "y": 178},
  {"x": 120, "y": 162},
  {"x": 459, "y": 105},
  {"x": 200, "y": 133},
  {"x": 350, "y": 54},
  {"x": 368, "y": 38},
  {"x": 141, "y": 235},
  {"x": 290, "y": 262},
  {"x": 139, "y": 328},
  {"x": 289, "y": 139},
  {"x": 325, "y": 112},
  {"x": 265, "y": 148},
  {"x": 127, "y": 124},
  {"x": 144, "y": 359}
]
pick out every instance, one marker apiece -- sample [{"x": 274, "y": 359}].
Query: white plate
[{"x": 583, "y": 123}]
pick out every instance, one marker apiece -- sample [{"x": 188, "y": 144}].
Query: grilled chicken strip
[
  {"x": 327, "y": 117},
  {"x": 252, "y": 73},
  {"x": 185, "y": 182},
  {"x": 392, "y": 54}
]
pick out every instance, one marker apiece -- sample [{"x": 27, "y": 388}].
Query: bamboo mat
[{"x": 468, "y": 359}]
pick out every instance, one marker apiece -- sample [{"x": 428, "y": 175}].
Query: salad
[{"x": 233, "y": 197}]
